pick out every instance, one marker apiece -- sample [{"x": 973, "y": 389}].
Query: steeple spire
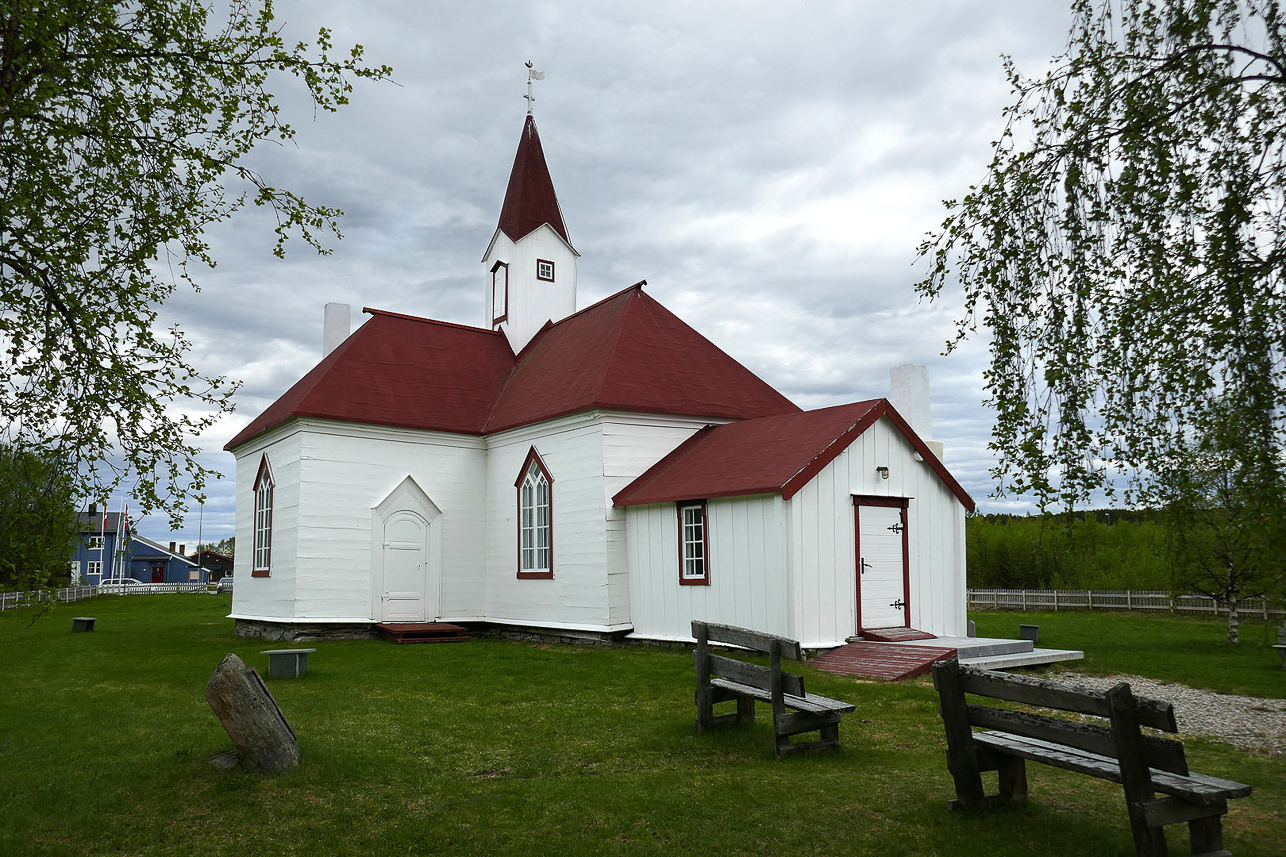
[{"x": 530, "y": 200}]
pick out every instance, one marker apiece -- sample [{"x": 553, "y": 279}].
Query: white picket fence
[
  {"x": 1149, "y": 601},
  {"x": 12, "y": 600}
]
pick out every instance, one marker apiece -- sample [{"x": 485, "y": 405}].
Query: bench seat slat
[
  {"x": 810, "y": 702},
  {"x": 1197, "y": 788}
]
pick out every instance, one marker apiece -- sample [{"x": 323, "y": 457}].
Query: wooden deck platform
[
  {"x": 883, "y": 661},
  {"x": 423, "y": 632}
]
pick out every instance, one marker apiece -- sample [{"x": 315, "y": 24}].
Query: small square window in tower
[{"x": 545, "y": 270}]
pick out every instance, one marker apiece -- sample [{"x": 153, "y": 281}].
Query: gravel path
[{"x": 1243, "y": 721}]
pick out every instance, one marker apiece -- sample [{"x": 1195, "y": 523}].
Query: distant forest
[{"x": 1094, "y": 549}]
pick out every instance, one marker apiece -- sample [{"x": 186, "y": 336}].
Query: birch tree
[{"x": 124, "y": 131}]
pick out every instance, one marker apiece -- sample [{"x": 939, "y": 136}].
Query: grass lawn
[
  {"x": 1189, "y": 650},
  {"x": 492, "y": 747}
]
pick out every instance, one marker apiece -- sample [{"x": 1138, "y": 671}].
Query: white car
[
  {"x": 224, "y": 584},
  {"x": 119, "y": 585}
]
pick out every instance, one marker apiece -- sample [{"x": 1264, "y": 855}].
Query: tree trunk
[
  {"x": 264, "y": 740},
  {"x": 1234, "y": 620}
]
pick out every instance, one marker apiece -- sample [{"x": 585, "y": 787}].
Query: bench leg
[
  {"x": 745, "y": 709},
  {"x": 1148, "y": 841},
  {"x": 1013, "y": 779},
  {"x": 1207, "y": 835}
]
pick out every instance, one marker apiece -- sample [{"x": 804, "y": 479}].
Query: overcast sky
[{"x": 768, "y": 167}]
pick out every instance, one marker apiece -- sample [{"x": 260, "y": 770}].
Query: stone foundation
[{"x": 290, "y": 632}]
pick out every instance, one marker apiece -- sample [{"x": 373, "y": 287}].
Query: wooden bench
[
  {"x": 1119, "y": 752},
  {"x": 721, "y": 679}
]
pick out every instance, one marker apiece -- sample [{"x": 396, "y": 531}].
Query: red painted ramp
[{"x": 884, "y": 661}]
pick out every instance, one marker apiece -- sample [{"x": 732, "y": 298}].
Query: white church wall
[
  {"x": 748, "y": 581},
  {"x": 631, "y": 444},
  {"x": 577, "y": 594},
  {"x": 350, "y": 469},
  {"x": 823, "y": 559},
  {"x": 271, "y": 597}
]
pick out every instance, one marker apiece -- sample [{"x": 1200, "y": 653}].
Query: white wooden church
[{"x": 603, "y": 471}]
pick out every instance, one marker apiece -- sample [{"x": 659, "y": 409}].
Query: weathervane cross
[{"x": 532, "y": 74}]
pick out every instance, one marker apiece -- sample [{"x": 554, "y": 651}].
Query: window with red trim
[
  {"x": 499, "y": 292},
  {"x": 262, "y": 550},
  {"x": 535, "y": 519},
  {"x": 545, "y": 270},
  {"x": 694, "y": 544}
]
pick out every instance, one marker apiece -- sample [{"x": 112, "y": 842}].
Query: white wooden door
[
  {"x": 404, "y": 597},
  {"x": 881, "y": 567}
]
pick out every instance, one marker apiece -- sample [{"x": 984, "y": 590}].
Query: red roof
[
  {"x": 398, "y": 370},
  {"x": 624, "y": 353},
  {"x": 629, "y": 353},
  {"x": 530, "y": 200},
  {"x": 777, "y": 454}
]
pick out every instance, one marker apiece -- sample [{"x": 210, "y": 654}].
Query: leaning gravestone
[{"x": 264, "y": 740}]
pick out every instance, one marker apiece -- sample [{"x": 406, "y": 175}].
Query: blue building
[{"x": 105, "y": 545}]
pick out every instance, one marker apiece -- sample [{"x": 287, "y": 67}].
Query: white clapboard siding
[
  {"x": 748, "y": 585},
  {"x": 342, "y": 472},
  {"x": 823, "y": 559},
  {"x": 631, "y": 444},
  {"x": 270, "y": 597},
  {"x": 577, "y": 596}
]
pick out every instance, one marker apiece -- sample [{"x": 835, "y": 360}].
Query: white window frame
[
  {"x": 261, "y": 553},
  {"x": 95, "y": 543},
  {"x": 94, "y": 566},
  {"x": 535, "y": 519},
  {"x": 694, "y": 543},
  {"x": 540, "y": 275}
]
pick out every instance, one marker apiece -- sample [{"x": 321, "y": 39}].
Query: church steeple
[
  {"x": 530, "y": 264},
  {"x": 530, "y": 199}
]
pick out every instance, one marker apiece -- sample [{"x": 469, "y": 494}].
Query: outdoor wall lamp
[{"x": 883, "y": 471}]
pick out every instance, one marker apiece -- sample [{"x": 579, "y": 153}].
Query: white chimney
[
  {"x": 909, "y": 394},
  {"x": 335, "y": 328}
]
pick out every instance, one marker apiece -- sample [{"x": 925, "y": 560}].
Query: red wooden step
[
  {"x": 422, "y": 632},
  {"x": 886, "y": 661}
]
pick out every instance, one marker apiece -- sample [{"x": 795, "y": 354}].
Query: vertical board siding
[
  {"x": 747, "y": 568},
  {"x": 823, "y": 557}
]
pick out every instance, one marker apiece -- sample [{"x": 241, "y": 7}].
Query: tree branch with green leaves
[
  {"x": 124, "y": 128},
  {"x": 1125, "y": 251}
]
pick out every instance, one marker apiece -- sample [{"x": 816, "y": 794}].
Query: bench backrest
[
  {"x": 1124, "y": 711},
  {"x": 747, "y": 639},
  {"x": 771, "y": 678}
]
